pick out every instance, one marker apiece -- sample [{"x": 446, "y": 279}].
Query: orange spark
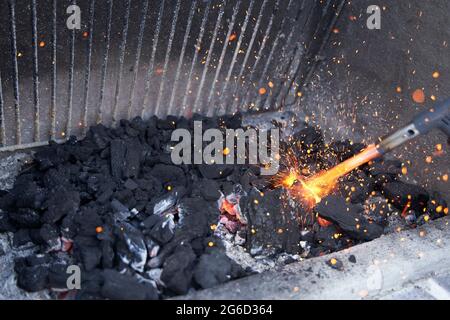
[{"x": 418, "y": 96}]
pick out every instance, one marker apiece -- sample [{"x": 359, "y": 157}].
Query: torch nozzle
[{"x": 436, "y": 117}]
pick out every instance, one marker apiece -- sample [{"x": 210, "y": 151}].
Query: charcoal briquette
[
  {"x": 33, "y": 279},
  {"x": 178, "y": 270},
  {"x": 61, "y": 202},
  {"x": 21, "y": 237},
  {"x": 5, "y": 223},
  {"x": 348, "y": 217},
  {"x": 401, "y": 194},
  {"x": 213, "y": 269},
  {"x": 26, "y": 218},
  {"x": 117, "y": 286},
  {"x": 215, "y": 171},
  {"x": 163, "y": 231}
]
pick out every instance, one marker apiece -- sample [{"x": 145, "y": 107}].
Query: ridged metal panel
[{"x": 142, "y": 57}]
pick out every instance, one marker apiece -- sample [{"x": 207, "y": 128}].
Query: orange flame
[{"x": 311, "y": 190}]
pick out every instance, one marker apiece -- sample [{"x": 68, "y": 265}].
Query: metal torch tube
[{"x": 398, "y": 138}]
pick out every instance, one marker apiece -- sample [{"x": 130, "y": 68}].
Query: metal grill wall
[{"x": 145, "y": 57}]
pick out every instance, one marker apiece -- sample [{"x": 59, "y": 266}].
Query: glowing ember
[
  {"x": 230, "y": 205},
  {"x": 323, "y": 222},
  {"x": 418, "y": 96}
]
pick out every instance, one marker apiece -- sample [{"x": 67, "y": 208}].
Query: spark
[{"x": 418, "y": 96}]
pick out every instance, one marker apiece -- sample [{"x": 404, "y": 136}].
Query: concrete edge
[{"x": 382, "y": 266}]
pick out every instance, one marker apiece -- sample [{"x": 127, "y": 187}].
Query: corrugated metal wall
[{"x": 142, "y": 57}]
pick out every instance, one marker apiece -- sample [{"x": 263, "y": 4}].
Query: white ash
[
  {"x": 8, "y": 282},
  {"x": 234, "y": 249},
  {"x": 10, "y": 167}
]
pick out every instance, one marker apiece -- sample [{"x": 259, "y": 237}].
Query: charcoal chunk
[
  {"x": 37, "y": 260},
  {"x": 139, "y": 124},
  {"x": 99, "y": 135},
  {"x": 87, "y": 220},
  {"x": 57, "y": 276},
  {"x": 213, "y": 269},
  {"x": 356, "y": 187},
  {"x": 28, "y": 195},
  {"x": 26, "y": 218},
  {"x": 166, "y": 124},
  {"x": 325, "y": 237},
  {"x": 49, "y": 234},
  {"x": 33, "y": 279},
  {"x": 401, "y": 194},
  {"x": 162, "y": 232},
  {"x": 87, "y": 250},
  {"x": 5, "y": 223},
  {"x": 348, "y": 217},
  {"x": 130, "y": 184},
  {"x": 208, "y": 189},
  {"x": 273, "y": 225},
  {"x": 309, "y": 138},
  {"x": 231, "y": 121},
  {"x": 119, "y": 286},
  {"x": 152, "y": 220},
  {"x": 178, "y": 269},
  {"x": 50, "y": 156},
  {"x": 7, "y": 200},
  {"x": 21, "y": 237},
  {"x": 118, "y": 152},
  {"x": 108, "y": 254},
  {"x": 133, "y": 158},
  {"x": 198, "y": 215},
  {"x": 169, "y": 174},
  {"x": 215, "y": 171},
  {"x": 61, "y": 202}
]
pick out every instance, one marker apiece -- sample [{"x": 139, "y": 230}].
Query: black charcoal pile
[
  {"x": 140, "y": 227},
  {"x": 113, "y": 203}
]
